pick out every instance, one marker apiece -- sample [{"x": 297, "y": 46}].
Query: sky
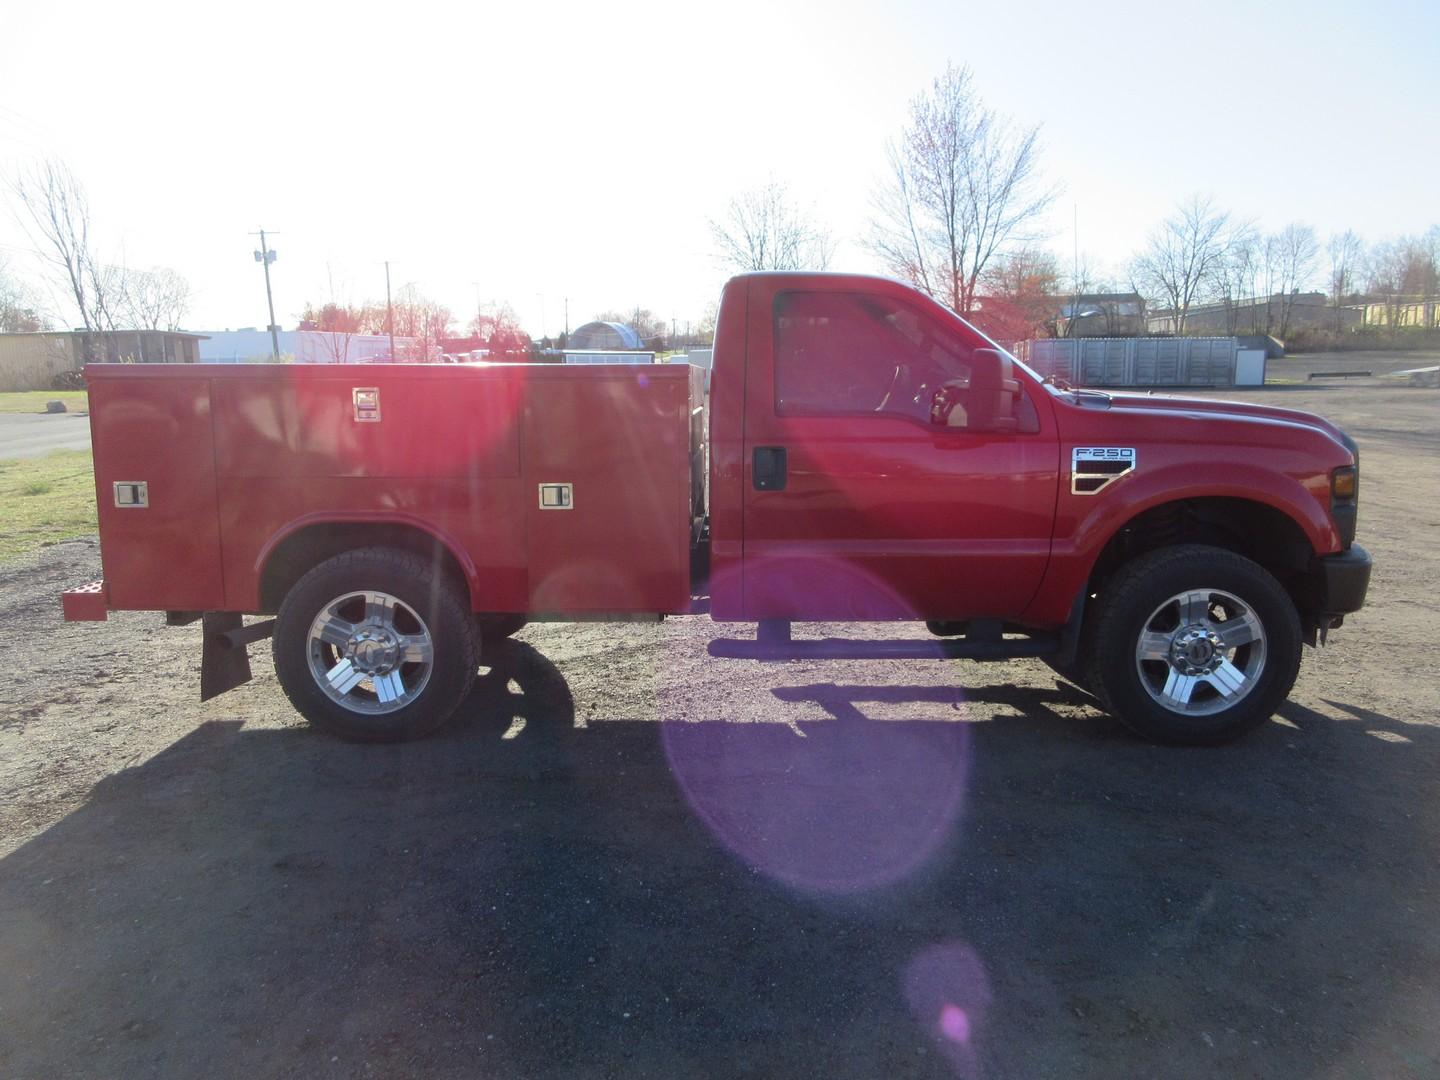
[{"x": 554, "y": 155}]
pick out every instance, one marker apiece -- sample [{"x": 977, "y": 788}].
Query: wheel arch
[
  {"x": 1258, "y": 530},
  {"x": 309, "y": 541}
]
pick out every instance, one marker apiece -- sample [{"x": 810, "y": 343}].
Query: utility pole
[
  {"x": 265, "y": 257},
  {"x": 389, "y": 314},
  {"x": 567, "y": 318}
]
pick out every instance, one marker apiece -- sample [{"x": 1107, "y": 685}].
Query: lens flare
[
  {"x": 954, "y": 1023},
  {"x": 838, "y": 806},
  {"x": 948, "y": 994}
]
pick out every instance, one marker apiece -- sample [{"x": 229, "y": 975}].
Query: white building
[{"x": 251, "y": 346}]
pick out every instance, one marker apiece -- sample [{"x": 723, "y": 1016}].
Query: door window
[{"x": 851, "y": 354}]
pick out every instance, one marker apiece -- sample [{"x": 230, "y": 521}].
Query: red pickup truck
[{"x": 863, "y": 455}]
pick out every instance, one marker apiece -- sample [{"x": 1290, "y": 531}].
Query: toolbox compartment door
[
  {"x": 160, "y": 543},
  {"x": 610, "y": 446}
]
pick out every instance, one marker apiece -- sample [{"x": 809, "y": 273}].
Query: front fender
[{"x": 1085, "y": 524}]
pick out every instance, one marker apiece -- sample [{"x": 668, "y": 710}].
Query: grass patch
[
  {"x": 45, "y": 500},
  {"x": 33, "y": 401}
]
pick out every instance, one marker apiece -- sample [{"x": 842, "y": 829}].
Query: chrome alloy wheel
[
  {"x": 1201, "y": 652},
  {"x": 370, "y": 652}
]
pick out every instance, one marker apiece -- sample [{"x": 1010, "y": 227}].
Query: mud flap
[{"x": 224, "y": 664}]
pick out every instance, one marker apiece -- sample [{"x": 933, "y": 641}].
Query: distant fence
[{"x": 1142, "y": 361}]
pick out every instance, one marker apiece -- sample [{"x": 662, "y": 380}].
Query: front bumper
[{"x": 1341, "y": 581}]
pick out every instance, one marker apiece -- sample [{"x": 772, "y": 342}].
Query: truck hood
[{"x": 1242, "y": 411}]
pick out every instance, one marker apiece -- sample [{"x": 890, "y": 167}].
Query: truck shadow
[
  {"x": 1053, "y": 709},
  {"x": 519, "y": 897}
]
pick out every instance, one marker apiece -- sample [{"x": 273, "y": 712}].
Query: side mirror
[
  {"x": 992, "y": 370},
  {"x": 990, "y": 401},
  {"x": 993, "y": 392}
]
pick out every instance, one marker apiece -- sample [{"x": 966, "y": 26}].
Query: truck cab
[{"x": 873, "y": 458}]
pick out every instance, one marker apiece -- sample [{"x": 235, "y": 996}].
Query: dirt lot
[{"x": 865, "y": 870}]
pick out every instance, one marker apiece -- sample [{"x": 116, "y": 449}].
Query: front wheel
[
  {"x": 374, "y": 645},
  {"x": 1193, "y": 645}
]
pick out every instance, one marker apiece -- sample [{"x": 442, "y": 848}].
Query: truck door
[{"x": 896, "y": 465}]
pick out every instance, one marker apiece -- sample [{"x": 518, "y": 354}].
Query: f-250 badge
[{"x": 1094, "y": 468}]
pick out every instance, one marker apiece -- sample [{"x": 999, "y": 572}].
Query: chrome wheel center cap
[
  {"x": 374, "y": 650},
  {"x": 1196, "y": 650}
]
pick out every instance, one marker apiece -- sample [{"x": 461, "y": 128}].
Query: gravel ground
[{"x": 625, "y": 859}]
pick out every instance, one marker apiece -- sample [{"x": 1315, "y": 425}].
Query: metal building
[{"x": 605, "y": 336}]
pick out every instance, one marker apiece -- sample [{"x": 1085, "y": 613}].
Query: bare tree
[
  {"x": 763, "y": 229},
  {"x": 704, "y": 329},
  {"x": 1083, "y": 278},
  {"x": 155, "y": 299},
  {"x": 1233, "y": 278},
  {"x": 20, "y": 311},
  {"x": 497, "y": 325},
  {"x": 1422, "y": 264},
  {"x": 962, "y": 187},
  {"x": 1428, "y": 252},
  {"x": 1405, "y": 275},
  {"x": 336, "y": 325},
  {"x": 1346, "y": 251},
  {"x": 335, "y": 345},
  {"x": 1020, "y": 295},
  {"x": 54, "y": 211},
  {"x": 1180, "y": 259},
  {"x": 422, "y": 319},
  {"x": 1385, "y": 274},
  {"x": 1293, "y": 251}
]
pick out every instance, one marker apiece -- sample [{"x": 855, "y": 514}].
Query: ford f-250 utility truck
[{"x": 871, "y": 457}]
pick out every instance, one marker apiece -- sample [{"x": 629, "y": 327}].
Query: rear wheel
[
  {"x": 1193, "y": 645},
  {"x": 375, "y": 646}
]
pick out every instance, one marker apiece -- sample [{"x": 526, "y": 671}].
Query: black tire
[
  {"x": 496, "y": 628},
  {"x": 1136, "y": 592},
  {"x": 454, "y": 644}
]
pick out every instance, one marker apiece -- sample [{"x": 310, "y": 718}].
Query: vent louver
[{"x": 1094, "y": 468}]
